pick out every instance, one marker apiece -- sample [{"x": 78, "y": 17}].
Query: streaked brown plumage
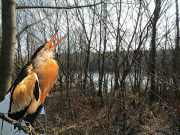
[{"x": 34, "y": 82}]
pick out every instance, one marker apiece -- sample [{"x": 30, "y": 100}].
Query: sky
[{"x": 128, "y": 20}]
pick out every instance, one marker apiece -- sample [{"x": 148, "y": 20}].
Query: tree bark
[
  {"x": 103, "y": 34},
  {"x": 8, "y": 45},
  {"x": 116, "y": 53},
  {"x": 153, "y": 51},
  {"x": 176, "y": 67},
  {"x": 176, "y": 59}
]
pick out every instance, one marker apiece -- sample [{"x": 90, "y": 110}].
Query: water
[
  {"x": 7, "y": 128},
  {"x": 4, "y": 106},
  {"x": 110, "y": 80}
]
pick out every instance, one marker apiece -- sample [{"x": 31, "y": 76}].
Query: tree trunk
[
  {"x": 103, "y": 34},
  {"x": 68, "y": 79},
  {"x": 99, "y": 53},
  {"x": 176, "y": 68},
  {"x": 153, "y": 51},
  {"x": 176, "y": 60},
  {"x": 103, "y": 29},
  {"x": 8, "y": 45},
  {"x": 116, "y": 54}
]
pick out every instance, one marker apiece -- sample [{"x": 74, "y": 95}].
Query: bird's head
[{"x": 45, "y": 51}]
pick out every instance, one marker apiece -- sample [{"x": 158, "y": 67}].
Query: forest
[{"x": 119, "y": 65}]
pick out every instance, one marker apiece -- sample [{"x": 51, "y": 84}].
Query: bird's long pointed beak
[
  {"x": 50, "y": 46},
  {"x": 58, "y": 42}
]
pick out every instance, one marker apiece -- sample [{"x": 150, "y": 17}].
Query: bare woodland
[{"x": 119, "y": 65}]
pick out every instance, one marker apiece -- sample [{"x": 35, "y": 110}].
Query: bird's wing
[
  {"x": 32, "y": 117},
  {"x": 20, "y": 77},
  {"x": 24, "y": 91}
]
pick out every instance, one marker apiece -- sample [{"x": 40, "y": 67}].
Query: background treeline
[{"x": 76, "y": 60}]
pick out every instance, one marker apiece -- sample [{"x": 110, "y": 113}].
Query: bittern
[{"x": 29, "y": 91}]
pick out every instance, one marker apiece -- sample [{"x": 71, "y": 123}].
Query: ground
[{"x": 78, "y": 114}]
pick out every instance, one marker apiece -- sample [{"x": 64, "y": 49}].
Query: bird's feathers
[
  {"x": 32, "y": 117},
  {"x": 25, "y": 93},
  {"x": 36, "y": 90},
  {"x": 21, "y": 76},
  {"x": 19, "y": 114},
  {"x": 34, "y": 82},
  {"x": 37, "y": 51},
  {"x": 47, "y": 75}
]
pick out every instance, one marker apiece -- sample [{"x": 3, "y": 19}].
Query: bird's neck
[
  {"x": 40, "y": 62},
  {"x": 47, "y": 74}
]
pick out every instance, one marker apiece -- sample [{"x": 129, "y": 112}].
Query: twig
[
  {"x": 49, "y": 15},
  {"x": 36, "y": 22},
  {"x": 146, "y": 130},
  {"x": 18, "y": 66},
  {"x": 25, "y": 129},
  {"x": 56, "y": 7},
  {"x": 42, "y": 127}
]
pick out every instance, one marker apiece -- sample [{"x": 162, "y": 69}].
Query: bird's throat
[{"x": 47, "y": 75}]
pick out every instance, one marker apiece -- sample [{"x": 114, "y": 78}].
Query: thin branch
[
  {"x": 55, "y": 7},
  {"x": 17, "y": 124},
  {"x": 38, "y": 21},
  {"x": 18, "y": 66}
]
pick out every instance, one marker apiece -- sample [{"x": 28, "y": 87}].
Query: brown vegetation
[
  {"x": 87, "y": 116},
  {"x": 119, "y": 66}
]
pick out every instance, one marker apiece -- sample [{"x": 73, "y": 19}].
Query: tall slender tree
[
  {"x": 176, "y": 61},
  {"x": 8, "y": 45},
  {"x": 176, "y": 66},
  {"x": 103, "y": 35},
  {"x": 156, "y": 15}
]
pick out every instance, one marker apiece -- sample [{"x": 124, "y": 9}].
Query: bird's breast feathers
[{"x": 47, "y": 75}]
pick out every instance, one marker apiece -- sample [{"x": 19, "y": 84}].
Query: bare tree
[
  {"x": 88, "y": 39},
  {"x": 153, "y": 50},
  {"x": 176, "y": 59},
  {"x": 176, "y": 66},
  {"x": 116, "y": 53},
  {"x": 103, "y": 37},
  {"x": 8, "y": 45}
]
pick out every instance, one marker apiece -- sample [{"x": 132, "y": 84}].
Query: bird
[{"x": 34, "y": 82}]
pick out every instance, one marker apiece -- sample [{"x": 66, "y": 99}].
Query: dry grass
[{"x": 85, "y": 115}]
